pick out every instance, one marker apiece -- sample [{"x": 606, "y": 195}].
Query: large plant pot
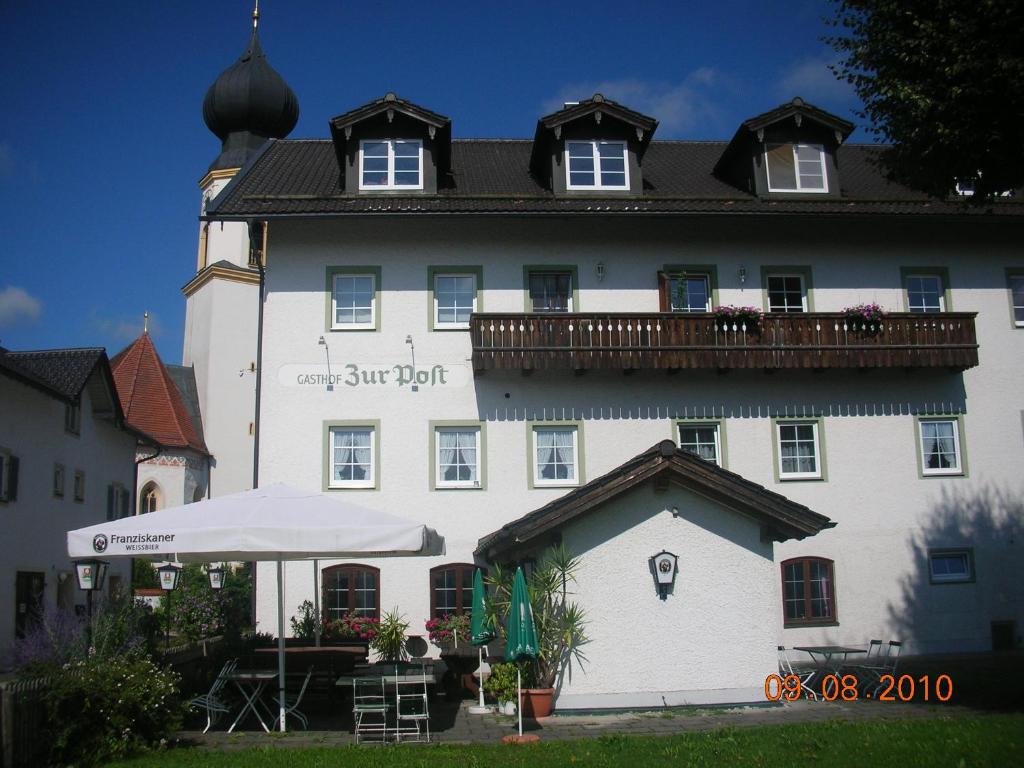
[{"x": 537, "y": 702}]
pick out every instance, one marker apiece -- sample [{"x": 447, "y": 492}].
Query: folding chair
[
  {"x": 212, "y": 701},
  {"x": 805, "y": 676},
  {"x": 368, "y": 704},
  {"x": 885, "y": 665},
  {"x": 411, "y": 705},
  {"x": 291, "y": 705}
]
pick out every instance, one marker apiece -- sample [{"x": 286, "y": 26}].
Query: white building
[
  {"x": 66, "y": 461},
  {"x": 491, "y": 336}
]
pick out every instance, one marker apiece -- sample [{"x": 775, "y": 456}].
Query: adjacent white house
[
  {"x": 66, "y": 460},
  {"x": 499, "y": 337}
]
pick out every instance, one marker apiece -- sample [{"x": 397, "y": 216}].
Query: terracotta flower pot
[{"x": 537, "y": 702}]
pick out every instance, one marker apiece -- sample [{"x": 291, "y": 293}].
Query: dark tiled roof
[
  {"x": 63, "y": 372},
  {"x": 799, "y": 107},
  {"x": 300, "y": 178},
  {"x": 782, "y": 519}
]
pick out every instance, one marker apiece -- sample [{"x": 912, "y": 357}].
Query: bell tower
[{"x": 248, "y": 104}]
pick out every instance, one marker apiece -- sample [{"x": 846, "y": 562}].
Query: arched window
[
  {"x": 350, "y": 588},
  {"x": 149, "y": 498},
  {"x": 451, "y": 589},
  {"x": 808, "y": 591}
]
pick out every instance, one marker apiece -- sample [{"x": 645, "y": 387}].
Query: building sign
[{"x": 361, "y": 376}]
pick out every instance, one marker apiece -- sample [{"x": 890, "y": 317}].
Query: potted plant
[
  {"x": 449, "y": 631},
  {"x": 389, "y": 640},
  {"x": 560, "y": 623},
  {"x": 737, "y": 317},
  {"x": 502, "y": 686},
  {"x": 866, "y": 318},
  {"x": 351, "y": 629}
]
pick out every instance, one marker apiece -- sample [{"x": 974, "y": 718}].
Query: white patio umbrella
[{"x": 277, "y": 522}]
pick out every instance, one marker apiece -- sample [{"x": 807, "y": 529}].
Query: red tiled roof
[{"x": 152, "y": 403}]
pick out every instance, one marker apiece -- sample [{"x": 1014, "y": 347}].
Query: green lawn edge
[{"x": 958, "y": 741}]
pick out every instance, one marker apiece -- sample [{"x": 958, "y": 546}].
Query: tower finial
[
  {"x": 145, "y": 322},
  {"x": 256, "y": 15}
]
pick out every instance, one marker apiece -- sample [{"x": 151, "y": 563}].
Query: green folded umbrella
[
  {"x": 481, "y": 628},
  {"x": 522, "y": 634}
]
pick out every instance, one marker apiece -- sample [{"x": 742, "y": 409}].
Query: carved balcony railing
[{"x": 630, "y": 341}]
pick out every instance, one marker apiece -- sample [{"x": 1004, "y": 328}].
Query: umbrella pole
[
  {"x": 316, "y": 603},
  {"x": 480, "y": 666},
  {"x": 519, "y": 701},
  {"x": 280, "y": 639}
]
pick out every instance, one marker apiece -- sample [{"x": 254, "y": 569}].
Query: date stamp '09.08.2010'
[{"x": 848, "y": 688}]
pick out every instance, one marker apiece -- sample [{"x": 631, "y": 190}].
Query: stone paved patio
[{"x": 451, "y": 723}]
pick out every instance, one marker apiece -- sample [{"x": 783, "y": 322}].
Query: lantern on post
[
  {"x": 216, "y": 576},
  {"x": 169, "y": 574},
  {"x": 91, "y": 574},
  {"x": 664, "y": 566}
]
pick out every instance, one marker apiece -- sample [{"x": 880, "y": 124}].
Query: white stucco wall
[
  {"x": 885, "y": 511},
  {"x": 35, "y": 525},
  {"x": 178, "y": 476}
]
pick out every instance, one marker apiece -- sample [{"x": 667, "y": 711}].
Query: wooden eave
[{"x": 780, "y": 518}]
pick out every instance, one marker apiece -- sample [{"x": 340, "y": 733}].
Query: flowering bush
[
  {"x": 449, "y": 628},
  {"x": 352, "y": 626},
  {"x": 751, "y": 316},
  {"x": 197, "y": 614},
  {"x": 869, "y": 314},
  {"x": 104, "y": 709}
]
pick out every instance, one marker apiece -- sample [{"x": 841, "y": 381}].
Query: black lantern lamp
[
  {"x": 91, "y": 574},
  {"x": 216, "y": 576},
  {"x": 169, "y": 575},
  {"x": 664, "y": 565}
]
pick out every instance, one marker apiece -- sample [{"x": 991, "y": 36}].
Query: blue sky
[{"x": 102, "y": 141}]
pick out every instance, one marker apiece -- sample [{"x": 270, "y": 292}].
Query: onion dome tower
[{"x": 247, "y": 104}]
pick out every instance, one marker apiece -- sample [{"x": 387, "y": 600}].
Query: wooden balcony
[{"x": 672, "y": 341}]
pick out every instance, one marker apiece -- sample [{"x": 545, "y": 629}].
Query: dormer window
[
  {"x": 596, "y": 165},
  {"x": 796, "y": 168},
  {"x": 391, "y": 164}
]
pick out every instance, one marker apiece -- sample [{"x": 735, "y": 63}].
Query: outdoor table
[
  {"x": 251, "y": 682},
  {"x": 828, "y": 659}
]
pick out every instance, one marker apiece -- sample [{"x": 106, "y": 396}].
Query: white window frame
[
  {"x": 963, "y": 553},
  {"x": 816, "y": 474},
  {"x": 390, "y": 186},
  {"x": 439, "y": 481},
  {"x": 438, "y": 323},
  {"x": 676, "y": 277},
  {"x": 1013, "y": 305},
  {"x": 715, "y": 425},
  {"x": 796, "y": 169},
  {"x": 942, "y": 291},
  {"x": 957, "y": 451},
  {"x": 541, "y": 482},
  {"x": 370, "y": 481},
  {"x": 335, "y": 325},
  {"x": 594, "y": 144},
  {"x": 785, "y": 275}
]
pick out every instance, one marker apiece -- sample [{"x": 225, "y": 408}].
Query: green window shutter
[
  {"x": 110, "y": 501},
  {"x": 12, "y": 481}
]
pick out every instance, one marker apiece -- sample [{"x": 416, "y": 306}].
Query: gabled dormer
[
  {"x": 392, "y": 146},
  {"x": 788, "y": 152},
  {"x": 595, "y": 147}
]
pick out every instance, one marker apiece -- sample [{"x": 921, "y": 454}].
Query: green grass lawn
[{"x": 959, "y": 742}]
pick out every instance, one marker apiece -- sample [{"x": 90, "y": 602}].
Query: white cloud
[
  {"x": 125, "y": 329},
  {"x": 16, "y": 305},
  {"x": 812, "y": 80},
  {"x": 680, "y": 107}
]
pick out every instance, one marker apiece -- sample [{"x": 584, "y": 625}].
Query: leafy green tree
[
  {"x": 144, "y": 575},
  {"x": 943, "y": 81}
]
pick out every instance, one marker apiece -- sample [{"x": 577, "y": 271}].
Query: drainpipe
[{"x": 256, "y": 231}]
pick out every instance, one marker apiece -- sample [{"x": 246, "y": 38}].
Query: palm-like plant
[{"x": 560, "y": 622}]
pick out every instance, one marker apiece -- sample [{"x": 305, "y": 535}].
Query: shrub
[
  {"x": 103, "y": 709},
  {"x": 502, "y": 682},
  {"x": 304, "y": 625}
]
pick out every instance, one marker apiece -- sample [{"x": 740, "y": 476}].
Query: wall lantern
[
  {"x": 168, "y": 582},
  {"x": 664, "y": 565},
  {"x": 216, "y": 576},
  {"x": 742, "y": 274},
  {"x": 599, "y": 271}
]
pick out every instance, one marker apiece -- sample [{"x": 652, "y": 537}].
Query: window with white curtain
[
  {"x": 457, "y": 451},
  {"x": 703, "y": 440},
  {"x": 555, "y": 451},
  {"x": 940, "y": 447},
  {"x": 799, "y": 454},
  {"x": 352, "y": 454}
]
